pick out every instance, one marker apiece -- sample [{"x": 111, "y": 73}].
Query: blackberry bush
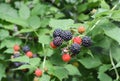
[{"x": 67, "y": 55}]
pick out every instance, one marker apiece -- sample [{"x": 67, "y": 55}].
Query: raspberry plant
[{"x": 59, "y": 40}]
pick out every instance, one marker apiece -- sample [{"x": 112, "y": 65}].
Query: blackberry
[
  {"x": 66, "y": 35},
  {"x": 16, "y": 55},
  {"x": 57, "y": 41},
  {"x": 86, "y": 41},
  {"x": 75, "y": 48},
  {"x": 26, "y": 49},
  {"x": 17, "y": 64},
  {"x": 57, "y": 33}
]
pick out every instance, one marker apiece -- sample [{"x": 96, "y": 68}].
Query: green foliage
[{"x": 32, "y": 22}]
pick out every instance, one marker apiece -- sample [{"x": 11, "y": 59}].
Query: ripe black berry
[
  {"x": 16, "y": 55},
  {"x": 86, "y": 41},
  {"x": 57, "y": 41},
  {"x": 66, "y": 35},
  {"x": 57, "y": 33},
  {"x": 75, "y": 48},
  {"x": 17, "y": 64},
  {"x": 26, "y": 49}
]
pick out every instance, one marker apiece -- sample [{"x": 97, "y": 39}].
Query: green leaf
[
  {"x": 24, "y": 67},
  {"x": 24, "y": 12},
  {"x": 44, "y": 78},
  {"x": 115, "y": 51},
  {"x": 63, "y": 23},
  {"x": 90, "y": 62},
  {"x": 104, "y": 5},
  {"x": 57, "y": 61},
  {"x": 45, "y": 39},
  {"x": 2, "y": 70},
  {"x": 34, "y": 22},
  {"x": 45, "y": 22},
  {"x": 115, "y": 15},
  {"x": 39, "y": 9},
  {"x": 7, "y": 10},
  {"x": 113, "y": 33},
  {"x": 59, "y": 72},
  {"x": 9, "y": 50},
  {"x": 26, "y": 30},
  {"x": 72, "y": 70},
  {"x": 104, "y": 68},
  {"x": 34, "y": 61},
  {"x": 3, "y": 34},
  {"x": 17, "y": 21},
  {"x": 82, "y": 17},
  {"x": 9, "y": 27},
  {"x": 117, "y": 65},
  {"x": 104, "y": 77},
  {"x": 10, "y": 42},
  {"x": 24, "y": 59},
  {"x": 9, "y": 14}
]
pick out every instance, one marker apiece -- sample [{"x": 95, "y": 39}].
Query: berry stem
[
  {"x": 115, "y": 6},
  {"x": 114, "y": 67},
  {"x": 94, "y": 25},
  {"x": 27, "y": 38},
  {"x": 44, "y": 60},
  {"x": 36, "y": 33}
]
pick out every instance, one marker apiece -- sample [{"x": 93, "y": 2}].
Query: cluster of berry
[
  {"x": 77, "y": 42},
  {"x": 26, "y": 50}
]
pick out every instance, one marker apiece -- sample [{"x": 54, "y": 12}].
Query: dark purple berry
[
  {"x": 86, "y": 41},
  {"x": 57, "y": 33},
  {"x": 17, "y": 64},
  {"x": 75, "y": 48},
  {"x": 66, "y": 35},
  {"x": 57, "y": 41},
  {"x": 26, "y": 49},
  {"x": 16, "y": 55}
]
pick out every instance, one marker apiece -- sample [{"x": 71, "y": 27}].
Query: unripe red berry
[
  {"x": 66, "y": 57},
  {"x": 77, "y": 40},
  {"x": 52, "y": 45},
  {"x": 29, "y": 54},
  {"x": 81, "y": 29},
  {"x": 38, "y": 72},
  {"x": 16, "y": 47}
]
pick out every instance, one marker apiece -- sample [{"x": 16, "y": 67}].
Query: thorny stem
[{"x": 111, "y": 59}]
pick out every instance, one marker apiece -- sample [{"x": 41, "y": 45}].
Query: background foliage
[{"x": 31, "y": 22}]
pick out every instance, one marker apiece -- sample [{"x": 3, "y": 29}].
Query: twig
[
  {"x": 94, "y": 25},
  {"x": 111, "y": 59}
]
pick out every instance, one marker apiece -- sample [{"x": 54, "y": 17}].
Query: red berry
[
  {"x": 81, "y": 29},
  {"x": 16, "y": 47},
  {"x": 38, "y": 72},
  {"x": 77, "y": 40},
  {"x": 66, "y": 57},
  {"x": 29, "y": 54},
  {"x": 52, "y": 45}
]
